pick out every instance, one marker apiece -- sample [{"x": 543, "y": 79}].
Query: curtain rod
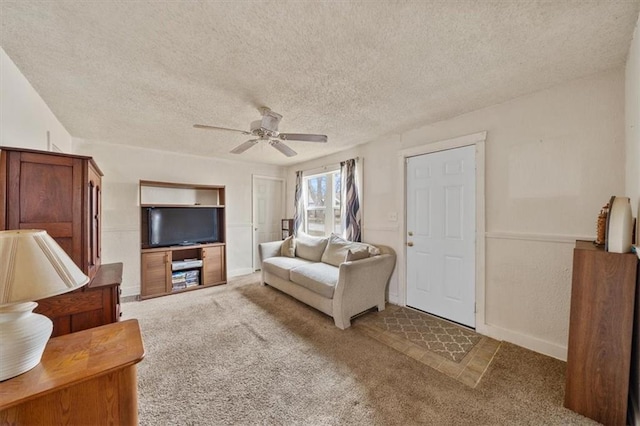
[{"x": 326, "y": 167}]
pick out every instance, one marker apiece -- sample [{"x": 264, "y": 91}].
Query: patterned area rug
[
  {"x": 444, "y": 338},
  {"x": 446, "y": 347}
]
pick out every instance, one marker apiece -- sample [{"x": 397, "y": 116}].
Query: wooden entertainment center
[{"x": 161, "y": 266}]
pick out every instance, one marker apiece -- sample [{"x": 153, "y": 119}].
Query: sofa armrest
[
  {"x": 362, "y": 285},
  {"x": 270, "y": 249}
]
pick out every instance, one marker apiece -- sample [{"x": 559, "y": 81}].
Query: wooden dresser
[
  {"x": 603, "y": 296},
  {"x": 95, "y": 304},
  {"x": 84, "y": 378},
  {"x": 62, "y": 194}
]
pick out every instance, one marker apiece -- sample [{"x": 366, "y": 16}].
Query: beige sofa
[{"x": 335, "y": 276}]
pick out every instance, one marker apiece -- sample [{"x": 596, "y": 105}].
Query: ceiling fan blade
[
  {"x": 245, "y": 146},
  {"x": 283, "y": 148},
  {"x": 302, "y": 137},
  {"x": 204, "y": 126}
]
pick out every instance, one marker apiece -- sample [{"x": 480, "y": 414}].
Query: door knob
[{"x": 410, "y": 243}]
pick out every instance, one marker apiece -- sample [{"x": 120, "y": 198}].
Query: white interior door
[
  {"x": 268, "y": 210},
  {"x": 441, "y": 210}
]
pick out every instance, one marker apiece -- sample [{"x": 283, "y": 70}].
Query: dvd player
[{"x": 185, "y": 264}]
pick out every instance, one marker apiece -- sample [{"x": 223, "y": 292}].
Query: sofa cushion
[
  {"x": 288, "y": 247},
  {"x": 281, "y": 265},
  {"x": 357, "y": 254},
  {"x": 317, "y": 277},
  {"x": 338, "y": 247},
  {"x": 310, "y": 247}
]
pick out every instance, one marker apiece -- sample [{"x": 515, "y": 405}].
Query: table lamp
[{"x": 32, "y": 267}]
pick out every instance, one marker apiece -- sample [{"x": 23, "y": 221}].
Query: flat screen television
[{"x": 169, "y": 226}]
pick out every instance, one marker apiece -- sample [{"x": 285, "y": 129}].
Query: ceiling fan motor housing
[{"x": 265, "y": 127}]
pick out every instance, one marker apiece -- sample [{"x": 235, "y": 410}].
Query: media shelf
[
  {"x": 157, "y": 271},
  {"x": 179, "y": 268}
]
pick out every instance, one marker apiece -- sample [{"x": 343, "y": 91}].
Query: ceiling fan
[{"x": 266, "y": 129}]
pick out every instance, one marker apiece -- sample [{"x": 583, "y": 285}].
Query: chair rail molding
[{"x": 548, "y": 238}]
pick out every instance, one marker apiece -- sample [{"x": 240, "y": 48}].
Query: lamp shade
[{"x": 33, "y": 266}]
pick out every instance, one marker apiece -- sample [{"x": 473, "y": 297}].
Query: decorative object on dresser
[
  {"x": 603, "y": 294},
  {"x": 182, "y": 236},
  {"x": 62, "y": 194},
  {"x": 619, "y": 226},
  {"x": 32, "y": 266},
  {"x": 85, "y": 378},
  {"x": 601, "y": 225}
]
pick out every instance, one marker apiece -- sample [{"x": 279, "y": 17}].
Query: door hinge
[{"x": 475, "y": 308}]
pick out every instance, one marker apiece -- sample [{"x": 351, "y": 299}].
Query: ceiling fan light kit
[
  {"x": 266, "y": 129},
  {"x": 270, "y": 120}
]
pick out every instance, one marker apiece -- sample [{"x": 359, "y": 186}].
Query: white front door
[
  {"x": 441, "y": 209},
  {"x": 268, "y": 210}
]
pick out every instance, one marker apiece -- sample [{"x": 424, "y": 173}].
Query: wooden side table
[{"x": 88, "y": 377}]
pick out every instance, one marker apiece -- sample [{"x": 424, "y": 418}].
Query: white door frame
[
  {"x": 477, "y": 139},
  {"x": 254, "y": 245}
]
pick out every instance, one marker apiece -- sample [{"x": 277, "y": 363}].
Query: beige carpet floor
[{"x": 247, "y": 354}]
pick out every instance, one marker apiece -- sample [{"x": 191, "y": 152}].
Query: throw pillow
[
  {"x": 309, "y": 247},
  {"x": 288, "y": 247},
  {"x": 357, "y": 254},
  {"x": 337, "y": 248}
]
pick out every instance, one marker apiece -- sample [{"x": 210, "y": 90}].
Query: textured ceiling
[{"x": 141, "y": 73}]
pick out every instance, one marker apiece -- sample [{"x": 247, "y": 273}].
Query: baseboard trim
[
  {"x": 131, "y": 298},
  {"x": 394, "y": 299},
  {"x": 240, "y": 271},
  {"x": 529, "y": 342}
]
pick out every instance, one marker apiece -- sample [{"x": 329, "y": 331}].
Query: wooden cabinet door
[
  {"x": 213, "y": 265},
  {"x": 93, "y": 202},
  {"x": 156, "y": 273},
  {"x": 45, "y": 192}
]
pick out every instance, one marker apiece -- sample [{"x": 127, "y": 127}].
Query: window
[{"x": 322, "y": 196}]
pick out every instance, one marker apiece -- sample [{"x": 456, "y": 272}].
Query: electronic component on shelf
[{"x": 186, "y": 264}]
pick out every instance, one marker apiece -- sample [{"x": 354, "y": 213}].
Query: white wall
[
  {"x": 25, "y": 119},
  {"x": 632, "y": 187},
  {"x": 124, "y": 167},
  {"x": 553, "y": 159}
]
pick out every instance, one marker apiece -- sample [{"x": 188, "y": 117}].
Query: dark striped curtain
[
  {"x": 299, "y": 208},
  {"x": 350, "y": 200}
]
